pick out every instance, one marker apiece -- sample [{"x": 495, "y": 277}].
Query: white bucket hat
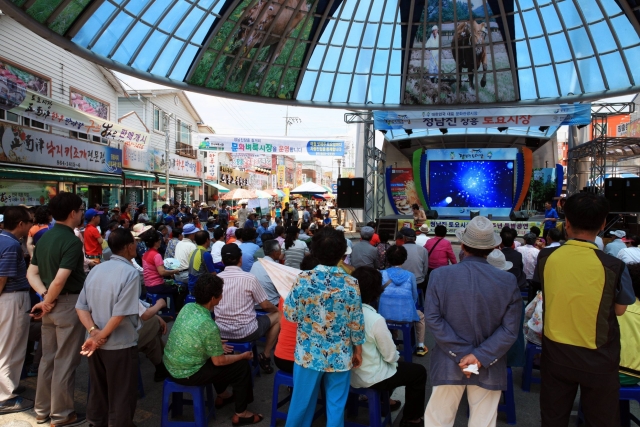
[
  {"x": 497, "y": 259},
  {"x": 479, "y": 234},
  {"x": 424, "y": 228}
]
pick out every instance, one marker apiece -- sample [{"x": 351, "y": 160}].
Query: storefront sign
[
  {"x": 281, "y": 176},
  {"x": 133, "y": 158},
  {"x": 298, "y": 174},
  {"x": 14, "y": 193},
  {"x": 153, "y": 160},
  {"x": 211, "y": 162},
  {"x": 46, "y": 110},
  {"x": 231, "y": 176},
  {"x": 549, "y": 115},
  {"x": 27, "y": 146},
  {"x": 267, "y": 145}
]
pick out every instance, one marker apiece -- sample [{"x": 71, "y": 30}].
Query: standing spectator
[
  {"x": 464, "y": 338},
  {"x": 347, "y": 260},
  {"x": 581, "y": 342},
  {"x": 14, "y": 305},
  {"x": 108, "y": 309},
  {"x": 304, "y": 235},
  {"x": 293, "y": 249},
  {"x": 295, "y": 216},
  {"x": 195, "y": 354},
  {"x": 184, "y": 249},
  {"x": 176, "y": 237},
  {"x": 440, "y": 250},
  {"x": 248, "y": 248},
  {"x": 529, "y": 262},
  {"x": 508, "y": 236},
  {"x": 375, "y": 239},
  {"x": 421, "y": 239},
  {"x": 362, "y": 253},
  {"x": 223, "y": 216},
  {"x": 328, "y": 297},
  {"x": 57, "y": 274},
  {"x": 42, "y": 220},
  {"x": 264, "y": 222},
  {"x": 286, "y": 215},
  {"x": 92, "y": 237},
  {"x": 382, "y": 249},
  {"x": 381, "y": 369},
  {"x": 272, "y": 253},
  {"x": 272, "y": 227},
  {"x": 419, "y": 217},
  {"x": 242, "y": 214},
  {"x": 630, "y": 254},
  {"x": 550, "y": 219},
  {"x": 417, "y": 258},
  {"x": 306, "y": 215},
  {"x": 236, "y": 315},
  {"x": 203, "y": 215},
  {"x": 142, "y": 216},
  {"x": 279, "y": 234},
  {"x": 616, "y": 245}
]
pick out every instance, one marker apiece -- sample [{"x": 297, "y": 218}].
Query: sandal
[
  {"x": 265, "y": 363},
  {"x": 254, "y": 419},
  {"x": 394, "y": 407},
  {"x": 223, "y": 401}
]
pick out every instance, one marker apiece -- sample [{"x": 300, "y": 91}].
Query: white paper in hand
[
  {"x": 473, "y": 368},
  {"x": 283, "y": 277}
]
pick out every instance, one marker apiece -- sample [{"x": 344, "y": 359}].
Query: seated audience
[
  {"x": 260, "y": 252},
  {"x": 195, "y": 354},
  {"x": 176, "y": 237},
  {"x": 382, "y": 249},
  {"x": 154, "y": 271},
  {"x": 279, "y": 234},
  {"x": 553, "y": 237},
  {"x": 381, "y": 369},
  {"x": 201, "y": 261},
  {"x": 529, "y": 261},
  {"x": 293, "y": 249},
  {"x": 439, "y": 249},
  {"x": 236, "y": 315},
  {"x": 508, "y": 236},
  {"x": 630, "y": 254},
  {"x": 421, "y": 239},
  {"x": 363, "y": 254},
  {"x": 150, "y": 336},
  {"x": 616, "y": 245},
  {"x": 400, "y": 295},
  {"x": 272, "y": 253},
  {"x": 630, "y": 334},
  {"x": 375, "y": 239},
  {"x": 248, "y": 248},
  {"x": 218, "y": 243}
]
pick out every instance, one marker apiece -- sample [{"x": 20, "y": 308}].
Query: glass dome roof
[{"x": 371, "y": 54}]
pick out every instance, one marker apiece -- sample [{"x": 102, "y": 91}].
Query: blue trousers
[{"x": 306, "y": 384}]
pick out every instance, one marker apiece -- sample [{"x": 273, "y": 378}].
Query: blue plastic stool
[
  {"x": 376, "y": 401},
  {"x": 408, "y": 340},
  {"x": 527, "y": 370},
  {"x": 242, "y": 347},
  {"x": 285, "y": 379},
  {"x": 509, "y": 406},
  {"x": 189, "y": 299},
  {"x": 170, "y": 310},
  {"x": 203, "y": 410},
  {"x": 626, "y": 394}
]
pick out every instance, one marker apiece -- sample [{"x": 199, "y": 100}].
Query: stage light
[
  {"x": 502, "y": 129},
  {"x": 408, "y": 131},
  {"x": 582, "y": 126},
  {"x": 444, "y": 131},
  {"x": 543, "y": 128}
]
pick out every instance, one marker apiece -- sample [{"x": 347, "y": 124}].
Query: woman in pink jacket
[{"x": 439, "y": 249}]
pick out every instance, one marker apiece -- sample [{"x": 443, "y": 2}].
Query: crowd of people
[{"x": 85, "y": 280}]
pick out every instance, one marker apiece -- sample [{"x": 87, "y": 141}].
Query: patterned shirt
[
  {"x": 171, "y": 248},
  {"x": 325, "y": 303},
  {"x": 236, "y": 315},
  {"x": 193, "y": 339}
]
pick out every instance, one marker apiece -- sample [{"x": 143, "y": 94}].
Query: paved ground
[{"x": 149, "y": 408}]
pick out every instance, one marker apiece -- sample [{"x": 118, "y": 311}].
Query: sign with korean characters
[
  {"x": 547, "y": 115},
  {"x": 57, "y": 114},
  {"x": 281, "y": 176},
  {"x": 522, "y": 227},
  {"x": 28, "y": 146},
  {"x": 14, "y": 193},
  {"x": 269, "y": 145}
]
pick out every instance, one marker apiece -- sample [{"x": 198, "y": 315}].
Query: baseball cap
[
  {"x": 264, "y": 221},
  {"x": 408, "y": 232},
  {"x": 619, "y": 233},
  {"x": 90, "y": 213},
  {"x": 189, "y": 229},
  {"x": 339, "y": 228},
  {"x": 366, "y": 232},
  {"x": 314, "y": 226},
  {"x": 231, "y": 250}
]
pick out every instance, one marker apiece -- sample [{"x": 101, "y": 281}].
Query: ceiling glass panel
[{"x": 358, "y": 54}]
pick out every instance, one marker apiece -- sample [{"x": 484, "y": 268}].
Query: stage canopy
[{"x": 368, "y": 54}]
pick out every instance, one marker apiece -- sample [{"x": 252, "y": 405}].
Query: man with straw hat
[{"x": 474, "y": 312}]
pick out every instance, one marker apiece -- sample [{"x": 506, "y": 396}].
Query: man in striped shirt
[{"x": 235, "y": 314}]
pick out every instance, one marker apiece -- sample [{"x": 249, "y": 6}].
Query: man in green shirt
[
  {"x": 195, "y": 354},
  {"x": 57, "y": 274}
]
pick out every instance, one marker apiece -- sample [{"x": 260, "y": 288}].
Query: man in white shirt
[
  {"x": 184, "y": 249},
  {"x": 242, "y": 214},
  {"x": 529, "y": 255},
  {"x": 553, "y": 237},
  {"x": 218, "y": 239},
  {"x": 631, "y": 254},
  {"x": 421, "y": 239}
]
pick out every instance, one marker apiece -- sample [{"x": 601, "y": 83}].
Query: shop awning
[
  {"x": 39, "y": 174},
  {"x": 173, "y": 180},
  {"x": 220, "y": 188},
  {"x": 140, "y": 176}
]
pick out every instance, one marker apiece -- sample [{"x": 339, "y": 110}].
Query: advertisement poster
[
  {"x": 268, "y": 145},
  {"x": 27, "y": 146},
  {"x": 458, "y": 54},
  {"x": 403, "y": 190},
  {"x": 15, "y": 81},
  {"x": 405, "y": 223},
  {"x": 14, "y": 193}
]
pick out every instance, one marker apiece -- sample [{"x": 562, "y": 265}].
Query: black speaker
[
  {"x": 431, "y": 214},
  {"x": 473, "y": 214},
  {"x": 404, "y": 144},
  {"x": 350, "y": 193},
  {"x": 631, "y": 195},
  {"x": 518, "y": 216},
  {"x": 532, "y": 142},
  {"x": 614, "y": 192}
]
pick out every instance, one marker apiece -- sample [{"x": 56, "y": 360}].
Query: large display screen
[{"x": 471, "y": 184}]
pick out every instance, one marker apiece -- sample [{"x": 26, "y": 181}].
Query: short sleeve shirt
[
  {"x": 12, "y": 265},
  {"x": 60, "y": 248},
  {"x": 151, "y": 260},
  {"x": 91, "y": 236},
  {"x": 193, "y": 339}
]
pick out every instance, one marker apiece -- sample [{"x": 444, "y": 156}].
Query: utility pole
[
  {"x": 289, "y": 121},
  {"x": 337, "y": 207}
]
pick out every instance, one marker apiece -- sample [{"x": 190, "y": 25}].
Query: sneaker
[
  {"x": 421, "y": 351},
  {"x": 17, "y": 404},
  {"x": 72, "y": 420},
  {"x": 33, "y": 371}
]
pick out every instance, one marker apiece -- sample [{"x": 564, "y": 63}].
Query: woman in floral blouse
[{"x": 325, "y": 303}]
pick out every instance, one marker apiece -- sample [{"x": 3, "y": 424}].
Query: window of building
[
  {"x": 183, "y": 132},
  {"x": 86, "y": 137},
  {"x": 158, "y": 119},
  {"x": 8, "y": 116},
  {"x": 34, "y": 124}
]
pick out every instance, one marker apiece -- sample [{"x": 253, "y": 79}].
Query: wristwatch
[{"x": 92, "y": 329}]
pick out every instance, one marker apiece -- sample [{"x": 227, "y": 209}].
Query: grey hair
[{"x": 271, "y": 246}]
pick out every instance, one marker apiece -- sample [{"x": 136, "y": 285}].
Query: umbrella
[
  {"x": 239, "y": 193},
  {"x": 263, "y": 195},
  {"x": 280, "y": 193},
  {"x": 272, "y": 192},
  {"x": 318, "y": 197},
  {"x": 309, "y": 188}
]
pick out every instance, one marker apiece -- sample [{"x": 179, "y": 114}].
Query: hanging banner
[
  {"x": 402, "y": 190},
  {"x": 548, "y": 115},
  {"x": 522, "y": 227},
  {"x": 14, "y": 193},
  {"x": 281, "y": 176},
  {"x": 27, "y": 146},
  {"x": 268, "y": 145},
  {"x": 153, "y": 160},
  {"x": 53, "y": 113}
]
